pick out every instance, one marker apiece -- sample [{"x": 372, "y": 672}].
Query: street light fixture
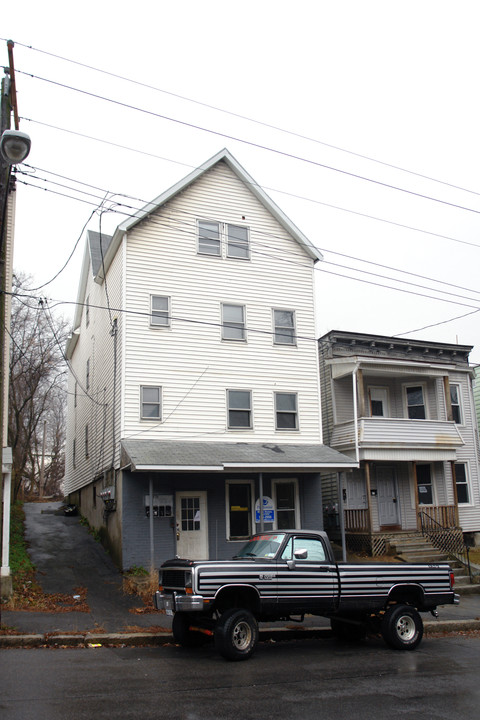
[{"x": 14, "y": 146}]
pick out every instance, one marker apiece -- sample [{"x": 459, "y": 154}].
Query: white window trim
[
  {"x": 297, "y": 413},
  {"x": 433, "y": 482},
  {"x": 469, "y": 483},
  {"x": 223, "y": 253},
  {"x": 158, "y": 326},
  {"x": 277, "y": 482},
  {"x": 425, "y": 399},
  {"x": 203, "y": 252},
  {"x": 279, "y": 342},
  {"x": 223, "y": 324},
  {"x": 239, "y": 428},
  {"x": 460, "y": 403},
  {"x": 227, "y": 507},
  {"x": 142, "y": 403}
]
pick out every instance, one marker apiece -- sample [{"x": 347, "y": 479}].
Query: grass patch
[{"x": 21, "y": 566}]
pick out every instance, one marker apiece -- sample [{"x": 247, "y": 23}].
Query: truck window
[{"x": 313, "y": 546}]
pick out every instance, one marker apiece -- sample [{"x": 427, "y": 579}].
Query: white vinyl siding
[{"x": 192, "y": 360}]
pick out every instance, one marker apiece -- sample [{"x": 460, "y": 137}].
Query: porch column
[
  {"x": 415, "y": 492},
  {"x": 455, "y": 494},
  {"x": 361, "y": 394},
  {"x": 448, "y": 399},
  {"x": 369, "y": 495}
]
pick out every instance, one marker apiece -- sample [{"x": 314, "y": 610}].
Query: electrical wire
[
  {"x": 321, "y": 268},
  {"x": 248, "y": 119},
  {"x": 250, "y": 143}
]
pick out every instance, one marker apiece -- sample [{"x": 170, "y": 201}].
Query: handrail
[{"x": 448, "y": 539}]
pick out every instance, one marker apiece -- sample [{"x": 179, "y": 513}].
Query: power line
[
  {"x": 248, "y": 119},
  {"x": 157, "y": 221},
  {"x": 276, "y": 190},
  {"x": 259, "y": 146}
]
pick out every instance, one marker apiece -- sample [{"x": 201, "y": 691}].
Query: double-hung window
[
  {"x": 456, "y": 401},
  {"x": 151, "y": 402},
  {"x": 237, "y": 242},
  {"x": 209, "y": 242},
  {"x": 284, "y": 327},
  {"x": 286, "y": 411},
  {"x": 223, "y": 240},
  {"x": 461, "y": 481},
  {"x": 159, "y": 311},
  {"x": 415, "y": 402},
  {"x": 239, "y": 403},
  {"x": 233, "y": 322}
]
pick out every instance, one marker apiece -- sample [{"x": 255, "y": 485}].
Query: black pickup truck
[{"x": 280, "y": 575}]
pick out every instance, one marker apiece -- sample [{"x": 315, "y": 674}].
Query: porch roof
[{"x": 179, "y": 456}]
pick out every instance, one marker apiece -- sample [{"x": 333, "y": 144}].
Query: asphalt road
[{"x": 297, "y": 679}]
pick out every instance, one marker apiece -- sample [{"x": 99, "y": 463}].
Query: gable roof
[
  {"x": 98, "y": 244},
  {"x": 222, "y": 156}
]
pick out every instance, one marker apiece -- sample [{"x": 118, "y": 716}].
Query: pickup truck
[{"x": 284, "y": 575}]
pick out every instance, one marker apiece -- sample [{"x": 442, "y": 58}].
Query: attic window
[{"x": 223, "y": 240}]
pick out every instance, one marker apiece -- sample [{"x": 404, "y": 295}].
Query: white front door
[{"x": 192, "y": 524}]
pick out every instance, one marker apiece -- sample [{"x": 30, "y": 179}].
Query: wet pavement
[{"x": 67, "y": 558}]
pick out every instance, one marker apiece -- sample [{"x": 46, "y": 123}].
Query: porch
[{"x": 360, "y": 537}]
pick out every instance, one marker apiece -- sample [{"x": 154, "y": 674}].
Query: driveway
[{"x": 67, "y": 557}]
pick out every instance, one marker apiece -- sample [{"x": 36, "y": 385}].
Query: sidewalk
[{"x": 67, "y": 558}]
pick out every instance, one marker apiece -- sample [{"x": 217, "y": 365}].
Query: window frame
[
  {"x": 167, "y": 324},
  {"x": 250, "y": 512},
  {"x": 406, "y": 387},
  {"x": 234, "y": 325},
  {"x": 159, "y": 403},
  {"x": 277, "y": 328},
  {"x": 286, "y": 481},
  {"x": 239, "y": 409},
  {"x": 295, "y": 413},
  {"x": 431, "y": 483},
  {"x": 228, "y": 242},
  {"x": 465, "y": 482},
  {"x": 201, "y": 251},
  {"x": 458, "y": 404},
  {"x": 225, "y": 243}
]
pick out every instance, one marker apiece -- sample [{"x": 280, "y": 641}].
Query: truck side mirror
[{"x": 301, "y": 554}]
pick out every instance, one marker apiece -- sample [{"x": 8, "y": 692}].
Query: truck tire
[
  {"x": 402, "y": 627},
  {"x": 236, "y": 634},
  {"x": 182, "y": 634}
]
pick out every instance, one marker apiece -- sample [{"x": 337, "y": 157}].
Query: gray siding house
[
  {"x": 404, "y": 409},
  {"x": 194, "y": 404}
]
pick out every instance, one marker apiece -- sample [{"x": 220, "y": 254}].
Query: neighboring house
[
  {"x": 405, "y": 410},
  {"x": 194, "y": 388}
]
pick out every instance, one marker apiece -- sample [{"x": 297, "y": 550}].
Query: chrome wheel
[
  {"x": 242, "y": 635},
  {"x": 406, "y": 628}
]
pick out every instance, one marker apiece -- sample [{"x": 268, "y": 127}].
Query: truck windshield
[{"x": 261, "y": 546}]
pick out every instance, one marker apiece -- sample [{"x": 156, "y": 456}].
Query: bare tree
[{"x": 37, "y": 392}]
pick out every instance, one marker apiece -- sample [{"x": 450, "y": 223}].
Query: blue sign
[{"x": 268, "y": 510}]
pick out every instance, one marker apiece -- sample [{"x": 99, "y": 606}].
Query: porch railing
[
  {"x": 448, "y": 539},
  {"x": 357, "y": 521}
]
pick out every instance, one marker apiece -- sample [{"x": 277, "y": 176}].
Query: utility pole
[{"x": 14, "y": 148}]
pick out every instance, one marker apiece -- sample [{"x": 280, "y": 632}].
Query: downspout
[{"x": 355, "y": 412}]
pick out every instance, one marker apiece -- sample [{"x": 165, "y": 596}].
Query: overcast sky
[{"x": 366, "y": 134}]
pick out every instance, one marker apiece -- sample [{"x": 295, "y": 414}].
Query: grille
[{"x": 173, "y": 578}]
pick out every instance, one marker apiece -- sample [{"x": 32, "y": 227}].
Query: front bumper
[{"x": 175, "y": 602}]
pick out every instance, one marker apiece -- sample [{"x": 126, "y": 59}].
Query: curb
[{"x": 94, "y": 640}]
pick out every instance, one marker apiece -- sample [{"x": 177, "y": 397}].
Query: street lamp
[{"x": 14, "y": 146}]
